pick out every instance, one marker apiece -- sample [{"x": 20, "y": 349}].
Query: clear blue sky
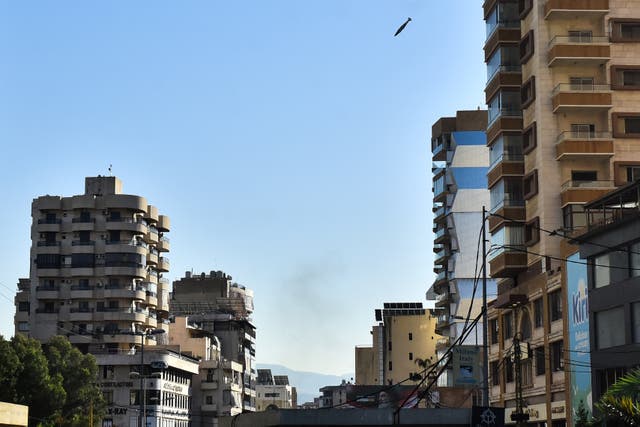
[{"x": 287, "y": 140}]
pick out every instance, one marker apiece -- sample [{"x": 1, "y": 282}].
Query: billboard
[
  {"x": 579, "y": 343},
  {"x": 467, "y": 366}
]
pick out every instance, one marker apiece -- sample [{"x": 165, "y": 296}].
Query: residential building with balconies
[
  {"x": 98, "y": 261},
  {"x": 569, "y": 135},
  {"x": 461, "y": 161},
  {"x": 223, "y": 308}
]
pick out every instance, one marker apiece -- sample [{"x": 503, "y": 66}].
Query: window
[
  {"x": 530, "y": 184},
  {"x": 537, "y": 313},
  {"x": 526, "y": 47},
  {"x": 532, "y": 232},
  {"x": 210, "y": 375},
  {"x": 635, "y": 259},
  {"x": 209, "y": 400},
  {"x": 610, "y": 268},
  {"x": 108, "y": 396},
  {"x": 525, "y": 326},
  {"x": 625, "y": 30},
  {"x": 508, "y": 370},
  {"x": 529, "y": 138},
  {"x": 610, "y": 328},
  {"x": 625, "y": 77},
  {"x": 528, "y": 92},
  {"x": 581, "y": 83},
  {"x": 625, "y": 125},
  {"x": 632, "y": 173},
  {"x": 23, "y": 326},
  {"x": 580, "y": 36},
  {"x": 635, "y": 321},
  {"x": 556, "y": 356},
  {"x": 48, "y": 261},
  {"x": 583, "y": 130},
  {"x": 493, "y": 329},
  {"x": 410, "y": 356},
  {"x": 391, "y": 366},
  {"x": 540, "y": 360},
  {"x": 23, "y": 306},
  {"x": 495, "y": 373},
  {"x": 389, "y": 346},
  {"x": 555, "y": 305},
  {"x": 82, "y": 260},
  {"x": 524, "y": 6},
  {"x": 410, "y": 336},
  {"x": 507, "y": 325}
]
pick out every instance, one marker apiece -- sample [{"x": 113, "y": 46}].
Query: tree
[
  {"x": 583, "y": 417},
  {"x": 78, "y": 372},
  {"x": 58, "y": 384},
  {"x": 620, "y": 405}
]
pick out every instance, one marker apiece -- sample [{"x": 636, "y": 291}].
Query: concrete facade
[
  {"x": 404, "y": 336},
  {"x": 98, "y": 261},
  {"x": 274, "y": 392},
  {"x": 223, "y": 308}
]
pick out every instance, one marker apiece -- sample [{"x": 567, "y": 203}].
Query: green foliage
[
  {"x": 58, "y": 383},
  {"x": 620, "y": 405},
  {"x": 583, "y": 417}
]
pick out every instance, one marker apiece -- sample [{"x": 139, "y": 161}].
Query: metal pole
[
  {"x": 485, "y": 323},
  {"x": 141, "y": 392}
]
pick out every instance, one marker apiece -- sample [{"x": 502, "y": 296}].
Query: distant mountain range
[{"x": 307, "y": 384}]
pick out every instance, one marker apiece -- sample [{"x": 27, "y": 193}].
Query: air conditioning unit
[{"x": 99, "y": 285}]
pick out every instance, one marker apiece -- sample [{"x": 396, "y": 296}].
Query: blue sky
[{"x": 287, "y": 140}]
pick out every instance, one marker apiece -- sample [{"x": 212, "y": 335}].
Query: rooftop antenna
[{"x": 110, "y": 166}]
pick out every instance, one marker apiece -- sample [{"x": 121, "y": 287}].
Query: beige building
[
  {"x": 404, "y": 336},
  {"x": 12, "y": 415},
  {"x": 274, "y": 392},
  {"x": 564, "y": 121},
  {"x": 217, "y": 389},
  {"x": 98, "y": 261}
]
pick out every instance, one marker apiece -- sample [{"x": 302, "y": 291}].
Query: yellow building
[
  {"x": 404, "y": 338},
  {"x": 13, "y": 415}
]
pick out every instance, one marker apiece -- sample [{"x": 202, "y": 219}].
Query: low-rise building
[
  {"x": 157, "y": 383},
  {"x": 273, "y": 392}
]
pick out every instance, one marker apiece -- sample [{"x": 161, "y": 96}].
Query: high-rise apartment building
[
  {"x": 403, "y": 338},
  {"x": 460, "y": 165},
  {"x": 97, "y": 264},
  {"x": 564, "y": 119},
  {"x": 223, "y": 308}
]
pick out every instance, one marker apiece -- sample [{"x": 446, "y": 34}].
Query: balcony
[
  {"x": 121, "y": 314},
  {"x": 81, "y": 314},
  {"x": 151, "y": 237},
  {"x": 443, "y": 299},
  {"x": 440, "y": 152},
  {"x": 513, "y": 209},
  {"x": 442, "y": 278},
  {"x": 47, "y": 292},
  {"x": 164, "y": 224},
  {"x": 568, "y": 9},
  {"x": 508, "y": 165},
  {"x": 441, "y": 235},
  {"x": 442, "y": 256},
  {"x": 503, "y": 120},
  {"x": 584, "y": 191},
  {"x": 125, "y": 293},
  {"x": 577, "y": 145},
  {"x": 152, "y": 258},
  {"x": 508, "y": 263},
  {"x": 48, "y": 225},
  {"x": 126, "y": 224},
  {"x": 439, "y": 213},
  {"x": 82, "y": 224},
  {"x": 163, "y": 244},
  {"x": 506, "y": 76},
  {"x": 570, "y": 97},
  {"x": 506, "y": 32},
  {"x": 443, "y": 343},
  {"x": 137, "y": 247},
  {"x": 163, "y": 264},
  {"x": 209, "y": 385},
  {"x": 578, "y": 50},
  {"x": 81, "y": 292},
  {"x": 131, "y": 270}
]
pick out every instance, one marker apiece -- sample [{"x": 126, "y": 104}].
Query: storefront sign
[
  {"x": 579, "y": 343},
  {"x": 117, "y": 384},
  {"x": 467, "y": 367},
  {"x": 172, "y": 387}
]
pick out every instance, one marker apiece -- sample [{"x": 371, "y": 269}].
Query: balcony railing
[
  {"x": 82, "y": 310},
  {"x": 507, "y": 203},
  {"x": 582, "y": 135},
  {"x": 502, "y": 24},
  {"x": 48, "y": 243},
  {"x": 82, "y": 220},
  {"x": 580, "y": 39},
  {"x": 83, "y": 243},
  {"x": 586, "y": 184},
  {"x": 507, "y": 157},
  {"x": 496, "y": 113},
  {"x": 49, "y": 221},
  {"x": 580, "y": 88},
  {"x": 47, "y": 288}
]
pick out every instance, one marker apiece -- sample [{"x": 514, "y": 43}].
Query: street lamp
[{"x": 136, "y": 375}]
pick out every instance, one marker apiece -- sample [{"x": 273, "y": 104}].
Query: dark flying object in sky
[{"x": 402, "y": 27}]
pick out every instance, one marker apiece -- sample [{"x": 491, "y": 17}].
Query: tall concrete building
[
  {"x": 404, "y": 336},
  {"x": 223, "y": 308},
  {"x": 97, "y": 266},
  {"x": 460, "y": 165},
  {"x": 564, "y": 122}
]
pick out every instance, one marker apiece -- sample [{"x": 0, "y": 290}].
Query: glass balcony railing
[
  {"x": 578, "y": 38},
  {"x": 580, "y": 88},
  {"x": 586, "y": 184}
]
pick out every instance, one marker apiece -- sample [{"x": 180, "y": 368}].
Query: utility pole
[
  {"x": 518, "y": 415},
  {"x": 485, "y": 323}
]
